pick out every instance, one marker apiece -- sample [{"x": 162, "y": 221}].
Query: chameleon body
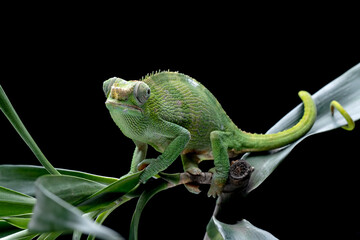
[{"x": 178, "y": 116}]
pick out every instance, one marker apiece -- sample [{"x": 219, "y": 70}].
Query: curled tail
[{"x": 262, "y": 142}]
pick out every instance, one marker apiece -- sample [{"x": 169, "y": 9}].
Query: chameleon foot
[
  {"x": 350, "y": 123},
  {"x": 217, "y": 184},
  {"x": 191, "y": 187},
  {"x": 215, "y": 189}
]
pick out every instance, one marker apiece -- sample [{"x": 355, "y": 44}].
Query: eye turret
[
  {"x": 107, "y": 85},
  {"x": 141, "y": 92}
]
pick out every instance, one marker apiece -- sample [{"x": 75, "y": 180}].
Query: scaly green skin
[{"x": 177, "y": 115}]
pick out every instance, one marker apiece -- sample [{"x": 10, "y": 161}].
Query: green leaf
[
  {"x": 110, "y": 194},
  {"x": 21, "y": 235},
  {"x": 21, "y": 178},
  {"x": 345, "y": 89},
  {"x": 14, "y": 203},
  {"x": 143, "y": 200},
  {"x": 101, "y": 217},
  {"x": 20, "y": 221},
  {"x": 10, "y": 113},
  {"x": 217, "y": 230},
  {"x": 76, "y": 234},
  {"x": 7, "y": 229},
  {"x": 69, "y": 188},
  {"x": 49, "y": 236},
  {"x": 212, "y": 232},
  {"x": 52, "y": 214}
]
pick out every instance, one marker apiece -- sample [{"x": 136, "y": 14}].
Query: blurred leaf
[
  {"x": 21, "y": 235},
  {"x": 143, "y": 200},
  {"x": 217, "y": 230},
  {"x": 101, "y": 218},
  {"x": 10, "y": 113},
  {"x": 52, "y": 214},
  {"x": 345, "y": 89},
  {"x": 14, "y": 203},
  {"x": 21, "y": 178},
  {"x": 76, "y": 234}
]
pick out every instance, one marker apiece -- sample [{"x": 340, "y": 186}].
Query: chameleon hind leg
[
  {"x": 190, "y": 163},
  {"x": 220, "y": 142}
]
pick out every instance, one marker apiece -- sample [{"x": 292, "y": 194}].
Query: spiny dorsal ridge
[{"x": 156, "y": 72}]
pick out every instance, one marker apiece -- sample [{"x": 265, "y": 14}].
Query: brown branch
[
  {"x": 239, "y": 175},
  {"x": 203, "y": 178}
]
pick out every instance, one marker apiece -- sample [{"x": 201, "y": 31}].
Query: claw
[
  {"x": 217, "y": 184},
  {"x": 214, "y": 191},
  {"x": 216, "y": 188},
  {"x": 350, "y": 123}
]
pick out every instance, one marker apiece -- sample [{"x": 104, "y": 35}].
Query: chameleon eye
[{"x": 141, "y": 92}]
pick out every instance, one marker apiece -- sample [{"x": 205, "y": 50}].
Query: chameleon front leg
[
  {"x": 180, "y": 136},
  {"x": 138, "y": 156}
]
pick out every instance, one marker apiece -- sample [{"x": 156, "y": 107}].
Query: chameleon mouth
[{"x": 124, "y": 106}]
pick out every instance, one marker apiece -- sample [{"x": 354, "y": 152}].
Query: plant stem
[{"x": 10, "y": 113}]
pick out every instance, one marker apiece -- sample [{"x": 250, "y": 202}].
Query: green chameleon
[{"x": 177, "y": 115}]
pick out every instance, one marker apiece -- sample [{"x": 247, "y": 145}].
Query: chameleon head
[{"x": 126, "y": 97}]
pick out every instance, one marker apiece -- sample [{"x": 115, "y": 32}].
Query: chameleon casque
[{"x": 177, "y": 115}]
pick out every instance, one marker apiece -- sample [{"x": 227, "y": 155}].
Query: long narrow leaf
[
  {"x": 109, "y": 194},
  {"x": 10, "y": 113},
  {"x": 7, "y": 229},
  {"x": 76, "y": 234},
  {"x": 143, "y": 200},
  {"x": 21, "y": 235},
  {"x": 18, "y": 221},
  {"x": 14, "y": 203},
  {"x": 102, "y": 217},
  {"x": 49, "y": 236},
  {"x": 21, "y": 178},
  {"x": 52, "y": 214},
  {"x": 69, "y": 188},
  {"x": 345, "y": 89}
]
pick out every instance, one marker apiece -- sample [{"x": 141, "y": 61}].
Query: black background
[{"x": 54, "y": 63}]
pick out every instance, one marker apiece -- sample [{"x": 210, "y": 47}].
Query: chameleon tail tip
[{"x": 350, "y": 122}]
